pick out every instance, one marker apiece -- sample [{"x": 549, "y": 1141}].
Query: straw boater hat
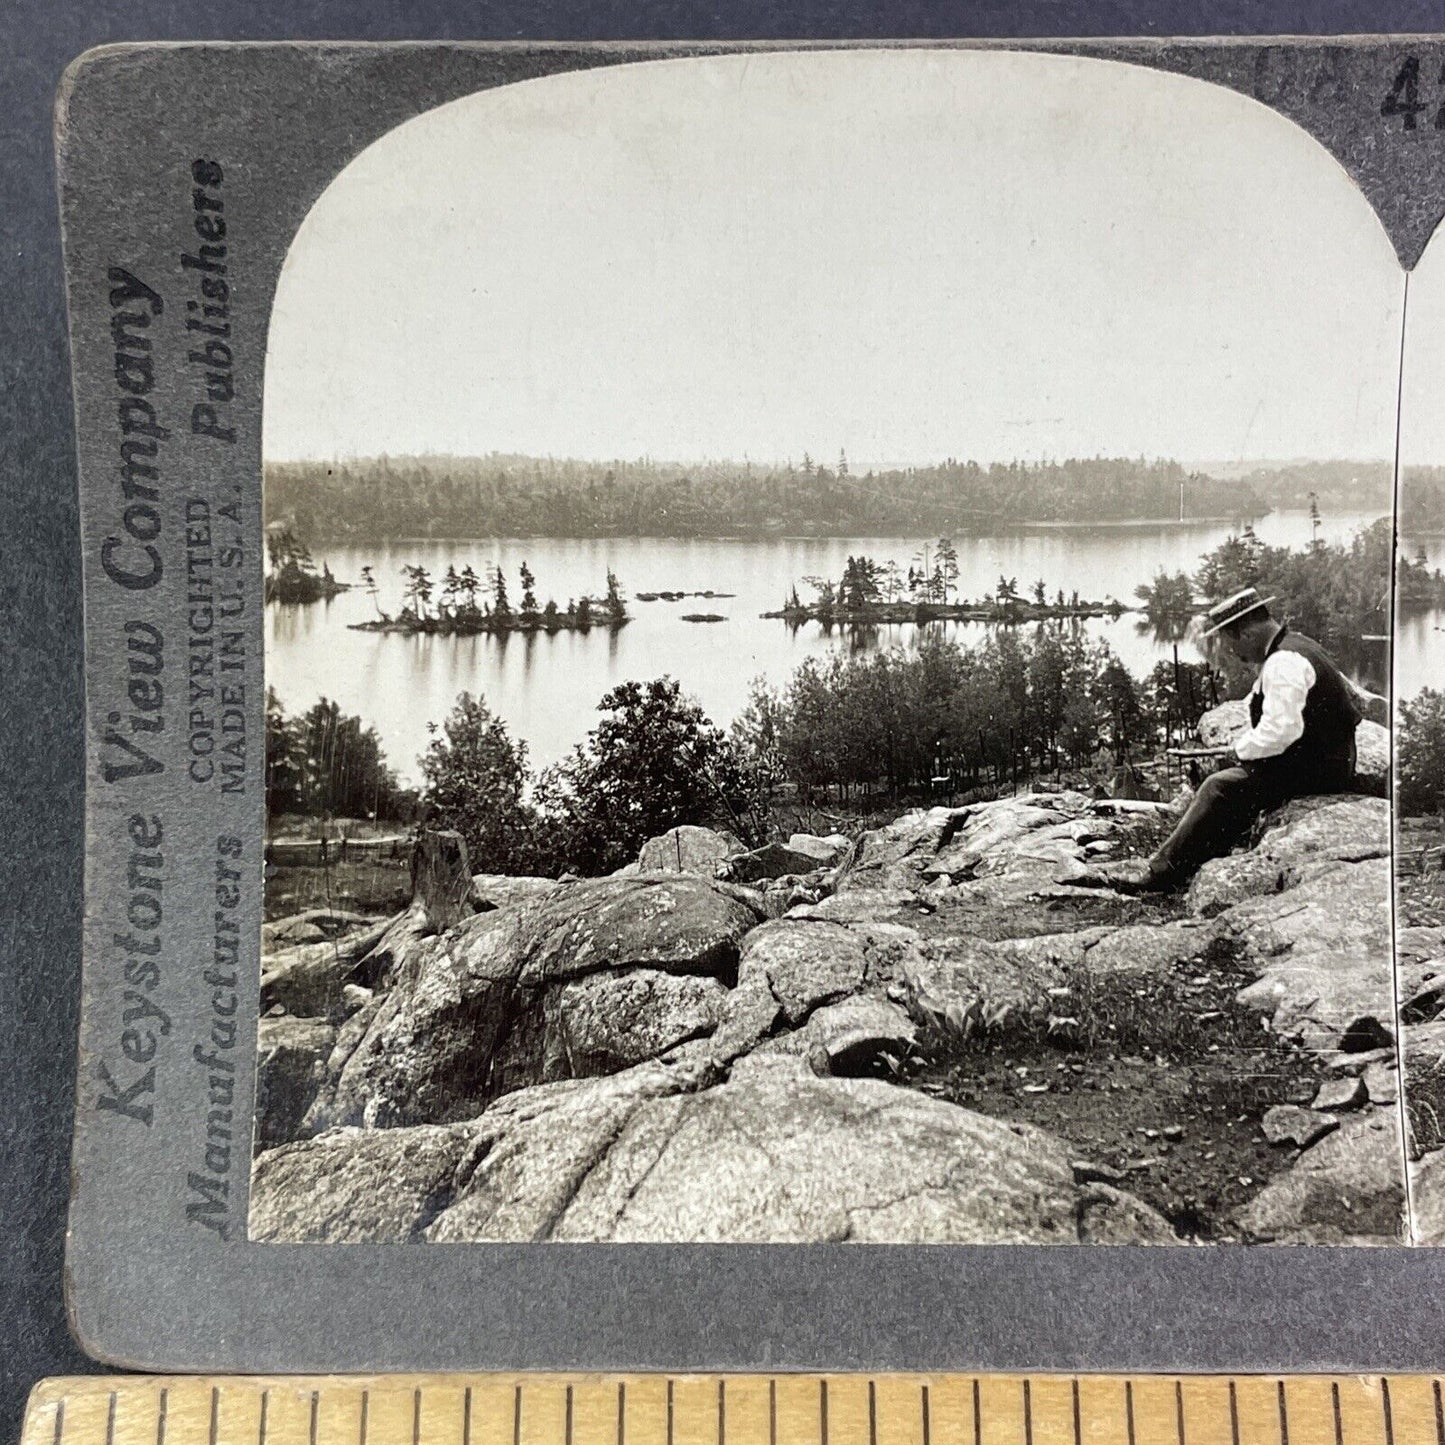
[{"x": 1234, "y": 609}]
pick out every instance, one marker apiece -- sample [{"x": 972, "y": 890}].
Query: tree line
[{"x": 377, "y": 498}]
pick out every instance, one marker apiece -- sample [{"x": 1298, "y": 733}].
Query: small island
[
  {"x": 292, "y": 576},
  {"x": 456, "y": 607},
  {"x": 875, "y": 594},
  {"x": 679, "y": 596}
]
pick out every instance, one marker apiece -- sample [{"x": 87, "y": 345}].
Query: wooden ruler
[{"x": 737, "y": 1410}]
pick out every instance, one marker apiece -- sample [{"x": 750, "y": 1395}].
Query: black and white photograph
[
  {"x": 833, "y": 634},
  {"x": 1419, "y": 755}
]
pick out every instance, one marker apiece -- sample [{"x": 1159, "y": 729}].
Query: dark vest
[{"x": 1331, "y": 712}]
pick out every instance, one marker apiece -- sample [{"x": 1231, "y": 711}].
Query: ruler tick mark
[
  {"x": 669, "y": 1412},
  {"x": 1078, "y": 1423},
  {"x": 722, "y": 1413},
  {"x": 872, "y": 1413},
  {"x": 365, "y": 1411},
  {"x": 416, "y": 1417},
  {"x": 822, "y": 1413},
  {"x": 161, "y": 1421},
  {"x": 316, "y": 1412},
  {"x": 1028, "y": 1413},
  {"x": 1439, "y": 1416},
  {"x": 977, "y": 1416},
  {"x": 621, "y": 1411},
  {"x": 1335, "y": 1402},
  {"x": 773, "y": 1411},
  {"x": 265, "y": 1410},
  {"x": 467, "y": 1417},
  {"x": 1283, "y": 1417},
  {"x": 60, "y": 1416},
  {"x": 517, "y": 1416},
  {"x": 927, "y": 1422},
  {"x": 1129, "y": 1408},
  {"x": 110, "y": 1421},
  {"x": 567, "y": 1427},
  {"x": 1179, "y": 1411},
  {"x": 215, "y": 1413},
  {"x": 1385, "y": 1407},
  {"x": 1233, "y": 1415}
]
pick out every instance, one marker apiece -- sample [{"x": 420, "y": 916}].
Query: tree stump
[{"x": 441, "y": 880}]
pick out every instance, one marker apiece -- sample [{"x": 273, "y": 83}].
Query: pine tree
[{"x": 529, "y": 592}]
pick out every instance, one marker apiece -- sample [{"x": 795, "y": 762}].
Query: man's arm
[{"x": 1285, "y": 681}]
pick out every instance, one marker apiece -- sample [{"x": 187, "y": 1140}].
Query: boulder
[
  {"x": 1382, "y": 1083},
  {"x": 1323, "y": 951},
  {"x": 1290, "y": 1124},
  {"x": 805, "y": 963},
  {"x": 1148, "y": 949},
  {"x": 355, "y": 1186},
  {"x": 1372, "y": 759},
  {"x": 772, "y": 860},
  {"x": 602, "y": 1023},
  {"x": 308, "y": 979},
  {"x": 775, "y": 1155},
  {"x": 1348, "y": 1092},
  {"x": 825, "y": 851},
  {"x": 1348, "y": 1188},
  {"x": 675, "y": 923},
  {"x": 502, "y": 890},
  {"x": 1427, "y": 1199},
  {"x": 891, "y": 858},
  {"x": 687, "y": 850},
  {"x": 1297, "y": 838},
  {"x": 291, "y": 1057},
  {"x": 429, "y": 1054},
  {"x": 851, "y": 1039}
]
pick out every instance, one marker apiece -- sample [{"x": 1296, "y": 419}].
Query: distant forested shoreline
[{"x": 388, "y": 498}]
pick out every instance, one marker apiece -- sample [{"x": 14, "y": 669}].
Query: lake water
[{"x": 547, "y": 687}]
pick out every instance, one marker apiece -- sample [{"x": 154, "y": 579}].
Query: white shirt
[{"x": 1285, "y": 680}]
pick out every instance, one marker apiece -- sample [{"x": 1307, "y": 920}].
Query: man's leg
[{"x": 1219, "y": 815}]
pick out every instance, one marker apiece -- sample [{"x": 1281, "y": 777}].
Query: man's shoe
[{"x": 1130, "y": 876}]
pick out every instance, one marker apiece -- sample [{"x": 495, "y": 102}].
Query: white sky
[
  {"x": 1422, "y": 415},
  {"x": 907, "y": 254}
]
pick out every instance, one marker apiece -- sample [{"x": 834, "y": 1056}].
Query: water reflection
[{"x": 546, "y": 686}]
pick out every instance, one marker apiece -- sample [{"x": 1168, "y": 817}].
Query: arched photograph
[
  {"x": 1420, "y": 746},
  {"x": 829, "y": 668}
]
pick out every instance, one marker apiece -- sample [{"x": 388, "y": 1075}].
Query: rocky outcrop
[
  {"x": 772, "y": 1155},
  {"x": 291, "y": 1057},
  {"x": 670, "y": 1054},
  {"x": 1347, "y": 1188},
  {"x": 434, "y": 1050}
]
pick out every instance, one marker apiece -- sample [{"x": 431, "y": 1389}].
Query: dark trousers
[{"x": 1228, "y": 802}]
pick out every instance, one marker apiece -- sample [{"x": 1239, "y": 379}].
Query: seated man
[{"x": 1301, "y": 739}]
